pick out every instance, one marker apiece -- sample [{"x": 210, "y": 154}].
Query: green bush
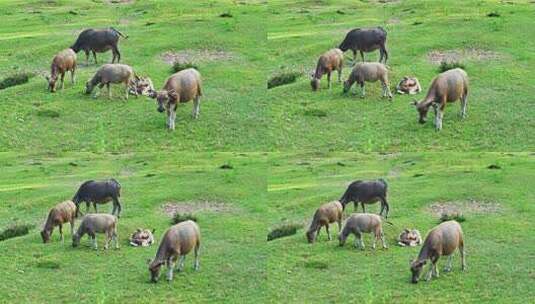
[
  {"x": 14, "y": 230},
  {"x": 284, "y": 230},
  {"x": 15, "y": 79},
  {"x": 282, "y": 79},
  {"x": 444, "y": 66},
  {"x": 178, "y": 217},
  {"x": 48, "y": 265},
  {"x": 179, "y": 66},
  {"x": 457, "y": 216}
]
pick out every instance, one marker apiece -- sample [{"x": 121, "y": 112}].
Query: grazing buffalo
[
  {"x": 449, "y": 86},
  {"x": 365, "y": 40},
  {"x": 444, "y": 239},
  {"x": 98, "y": 41},
  {"x": 367, "y": 192},
  {"x": 98, "y": 192}
]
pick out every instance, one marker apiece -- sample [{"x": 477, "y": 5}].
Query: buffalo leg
[
  {"x": 181, "y": 262},
  {"x": 328, "y": 232},
  {"x": 118, "y": 204},
  {"x": 72, "y": 75},
  {"x": 93, "y": 240},
  {"x": 329, "y": 80},
  {"x": 170, "y": 266},
  {"x": 362, "y": 55},
  {"x": 116, "y": 53},
  {"x": 95, "y": 56},
  {"x": 61, "y": 233},
  {"x": 95, "y": 207},
  {"x": 86, "y": 57},
  {"x": 362, "y": 90},
  {"x": 340, "y": 74},
  {"x": 62, "y": 80},
  {"x": 354, "y": 56},
  {"x": 196, "y": 252},
  {"x": 383, "y": 239},
  {"x": 463, "y": 106},
  {"x": 384, "y": 205},
  {"x": 116, "y": 238},
  {"x": 196, "y": 106},
  {"x": 448, "y": 264},
  {"x": 363, "y": 208}
]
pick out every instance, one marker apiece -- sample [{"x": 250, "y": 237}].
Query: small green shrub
[
  {"x": 444, "y": 66},
  {"x": 493, "y": 14},
  {"x": 315, "y": 112},
  {"x": 48, "y": 113},
  {"x": 282, "y": 79},
  {"x": 14, "y": 230},
  {"x": 48, "y": 265},
  {"x": 178, "y": 217},
  {"x": 457, "y": 216},
  {"x": 179, "y": 66},
  {"x": 15, "y": 79},
  {"x": 316, "y": 265},
  {"x": 284, "y": 230},
  {"x": 226, "y": 15}
]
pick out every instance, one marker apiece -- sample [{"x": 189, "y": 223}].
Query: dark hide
[
  {"x": 367, "y": 192},
  {"x": 98, "y": 192},
  {"x": 98, "y": 41},
  {"x": 366, "y": 40}
]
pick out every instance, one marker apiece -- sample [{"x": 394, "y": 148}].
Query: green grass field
[
  {"x": 500, "y": 110},
  {"x": 233, "y": 111},
  {"x": 237, "y": 264},
  {"x": 287, "y": 150}
]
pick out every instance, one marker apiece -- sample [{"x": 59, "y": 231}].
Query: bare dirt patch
[
  {"x": 463, "y": 207},
  {"x": 192, "y": 56},
  {"x": 171, "y": 208},
  {"x": 475, "y": 54}
]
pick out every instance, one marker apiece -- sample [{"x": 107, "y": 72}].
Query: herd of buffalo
[
  {"x": 182, "y": 86},
  {"x": 449, "y": 86},
  {"x": 186, "y": 85},
  {"x": 182, "y": 238}
]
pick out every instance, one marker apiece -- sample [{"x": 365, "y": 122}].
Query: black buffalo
[
  {"x": 365, "y": 40},
  {"x": 367, "y": 192},
  {"x": 98, "y": 192},
  {"x": 98, "y": 41}
]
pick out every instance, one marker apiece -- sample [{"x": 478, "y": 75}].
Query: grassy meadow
[
  {"x": 496, "y": 52},
  {"x": 237, "y": 207},
  {"x": 497, "y": 205},
  {"x": 232, "y": 261},
  {"x": 226, "y": 50},
  {"x": 259, "y": 158}
]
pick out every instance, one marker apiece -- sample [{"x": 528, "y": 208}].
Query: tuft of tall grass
[
  {"x": 182, "y": 217},
  {"x": 14, "y": 230},
  {"x": 283, "y": 78},
  {"x": 283, "y": 230},
  {"x": 445, "y": 65},
  {"x": 15, "y": 79}
]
